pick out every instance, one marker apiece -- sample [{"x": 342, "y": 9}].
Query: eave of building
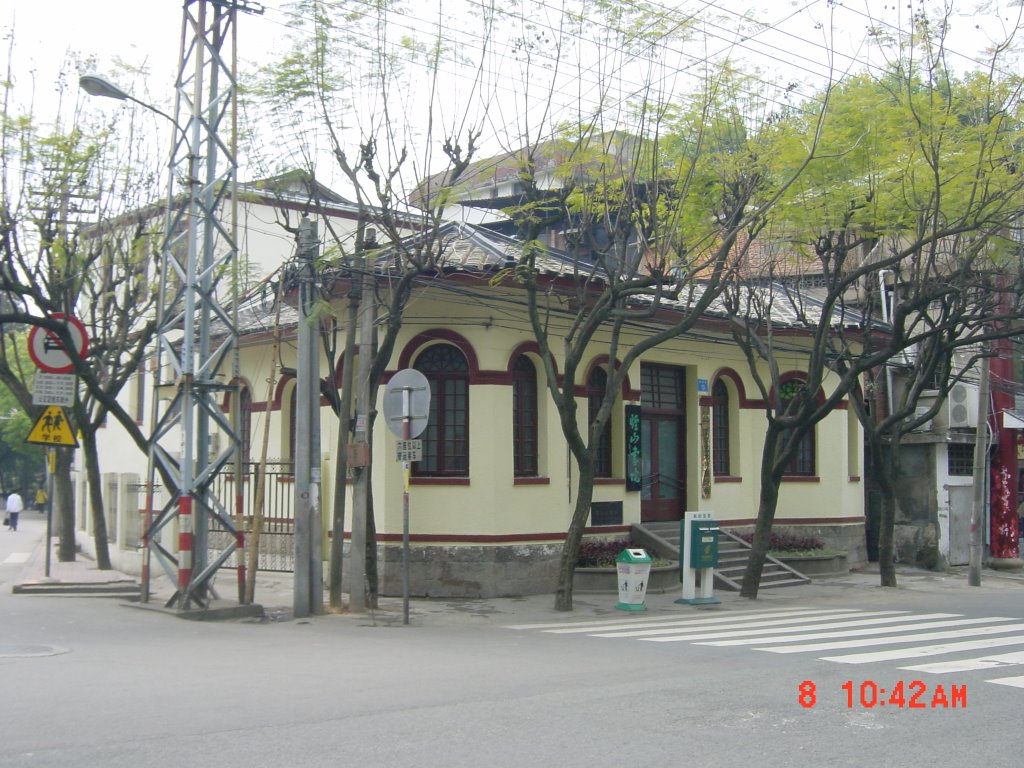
[{"x": 476, "y": 255}]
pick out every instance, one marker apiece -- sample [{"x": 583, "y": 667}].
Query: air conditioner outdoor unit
[{"x": 963, "y": 406}]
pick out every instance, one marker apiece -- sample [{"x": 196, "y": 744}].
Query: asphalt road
[{"x": 93, "y": 682}]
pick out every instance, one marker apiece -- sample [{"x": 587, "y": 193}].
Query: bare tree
[
  {"x": 62, "y": 185},
  {"x": 376, "y": 104},
  {"x": 664, "y": 194}
]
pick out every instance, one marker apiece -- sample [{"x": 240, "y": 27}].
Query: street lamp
[{"x": 97, "y": 85}]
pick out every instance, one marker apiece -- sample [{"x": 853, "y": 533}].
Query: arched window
[
  {"x": 802, "y": 464},
  {"x": 720, "y": 447},
  {"x": 596, "y": 386},
  {"x": 244, "y": 427},
  {"x": 291, "y": 422},
  {"x": 524, "y": 418},
  {"x": 446, "y": 438}
]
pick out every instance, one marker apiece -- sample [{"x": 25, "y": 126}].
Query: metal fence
[{"x": 277, "y": 531}]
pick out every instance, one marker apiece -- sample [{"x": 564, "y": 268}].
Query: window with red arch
[
  {"x": 720, "y": 446},
  {"x": 597, "y": 383},
  {"x": 446, "y": 437},
  {"x": 524, "y": 418},
  {"x": 802, "y": 464},
  {"x": 244, "y": 427}
]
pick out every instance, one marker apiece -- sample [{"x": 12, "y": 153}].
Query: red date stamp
[{"x": 910, "y": 695}]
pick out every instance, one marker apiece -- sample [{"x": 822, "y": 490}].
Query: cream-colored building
[{"x": 492, "y": 498}]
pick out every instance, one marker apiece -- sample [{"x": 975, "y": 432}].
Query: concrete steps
[{"x": 662, "y": 538}]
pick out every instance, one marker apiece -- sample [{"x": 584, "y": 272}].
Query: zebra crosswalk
[{"x": 934, "y": 643}]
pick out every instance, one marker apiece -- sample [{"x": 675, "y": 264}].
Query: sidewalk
[
  {"x": 77, "y": 577},
  {"x": 274, "y": 595}
]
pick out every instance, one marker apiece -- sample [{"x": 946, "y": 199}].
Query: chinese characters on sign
[
  {"x": 634, "y": 471},
  {"x": 409, "y": 450},
  {"x": 52, "y": 428}
]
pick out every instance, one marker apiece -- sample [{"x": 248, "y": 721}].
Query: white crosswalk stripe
[
  {"x": 1016, "y": 682},
  {"x": 870, "y": 636}
]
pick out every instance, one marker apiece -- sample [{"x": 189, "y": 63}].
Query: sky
[
  {"x": 792, "y": 41},
  {"x": 142, "y": 32}
]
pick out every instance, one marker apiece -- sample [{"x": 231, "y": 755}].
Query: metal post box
[{"x": 703, "y": 544}]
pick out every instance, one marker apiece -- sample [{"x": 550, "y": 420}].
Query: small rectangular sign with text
[
  {"x": 410, "y": 450},
  {"x": 53, "y": 389}
]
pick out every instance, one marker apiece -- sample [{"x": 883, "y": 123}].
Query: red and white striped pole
[
  {"x": 185, "y": 545},
  {"x": 147, "y": 517},
  {"x": 240, "y": 538}
]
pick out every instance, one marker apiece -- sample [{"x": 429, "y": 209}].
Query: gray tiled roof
[
  {"x": 469, "y": 248},
  {"x": 479, "y": 251}
]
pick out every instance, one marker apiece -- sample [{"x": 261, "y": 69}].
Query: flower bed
[{"x": 664, "y": 578}]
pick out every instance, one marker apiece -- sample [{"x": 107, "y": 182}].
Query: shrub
[
  {"x": 783, "y": 541},
  {"x": 600, "y": 553}
]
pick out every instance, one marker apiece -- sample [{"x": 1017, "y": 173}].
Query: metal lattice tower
[{"x": 197, "y": 334}]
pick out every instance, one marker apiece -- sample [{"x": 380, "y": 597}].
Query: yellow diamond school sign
[{"x": 52, "y": 428}]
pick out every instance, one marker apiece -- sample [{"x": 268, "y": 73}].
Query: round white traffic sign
[
  {"x": 407, "y": 397},
  {"x": 47, "y": 350}
]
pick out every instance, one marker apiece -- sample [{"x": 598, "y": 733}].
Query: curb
[
  {"x": 121, "y": 589},
  {"x": 218, "y": 613}
]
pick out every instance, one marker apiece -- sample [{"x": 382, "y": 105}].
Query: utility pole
[
  {"x": 308, "y": 581},
  {"x": 198, "y": 251},
  {"x": 361, "y": 488},
  {"x": 980, "y": 486}
]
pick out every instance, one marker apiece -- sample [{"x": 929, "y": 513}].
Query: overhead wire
[
  {"x": 499, "y": 81},
  {"x": 788, "y": 56},
  {"x": 407, "y": 22}
]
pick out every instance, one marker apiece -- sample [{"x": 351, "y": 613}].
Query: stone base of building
[
  {"x": 470, "y": 571},
  {"x": 1006, "y": 564}
]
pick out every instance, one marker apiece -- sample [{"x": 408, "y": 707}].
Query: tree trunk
[
  {"x": 372, "y": 581},
  {"x": 96, "y": 511},
  {"x": 574, "y": 534},
  {"x": 341, "y": 460},
  {"x": 64, "y": 505},
  {"x": 768, "y": 502},
  {"x": 885, "y": 473}
]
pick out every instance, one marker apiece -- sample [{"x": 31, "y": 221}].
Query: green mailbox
[{"x": 703, "y": 544}]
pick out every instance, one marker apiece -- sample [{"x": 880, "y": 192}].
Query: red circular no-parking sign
[{"x": 47, "y": 349}]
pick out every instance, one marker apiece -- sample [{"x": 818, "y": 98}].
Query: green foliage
[
  {"x": 898, "y": 149},
  {"x": 21, "y": 463}
]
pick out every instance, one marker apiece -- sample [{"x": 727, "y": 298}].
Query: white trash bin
[{"x": 634, "y": 569}]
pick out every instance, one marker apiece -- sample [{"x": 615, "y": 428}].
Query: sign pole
[
  {"x": 406, "y": 411},
  {"x": 406, "y": 435},
  {"x": 51, "y": 461}
]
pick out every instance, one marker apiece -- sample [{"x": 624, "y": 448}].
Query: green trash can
[{"x": 634, "y": 569}]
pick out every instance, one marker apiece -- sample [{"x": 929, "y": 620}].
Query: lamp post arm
[{"x": 97, "y": 85}]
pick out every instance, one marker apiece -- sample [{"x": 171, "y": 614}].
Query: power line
[{"x": 408, "y": 23}]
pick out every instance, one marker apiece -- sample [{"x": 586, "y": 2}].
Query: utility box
[
  {"x": 633, "y": 567},
  {"x": 703, "y": 543},
  {"x": 698, "y": 552}
]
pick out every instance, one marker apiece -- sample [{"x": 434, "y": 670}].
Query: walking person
[{"x": 14, "y": 507}]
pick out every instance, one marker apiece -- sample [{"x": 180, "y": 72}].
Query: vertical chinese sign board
[{"x": 634, "y": 453}]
